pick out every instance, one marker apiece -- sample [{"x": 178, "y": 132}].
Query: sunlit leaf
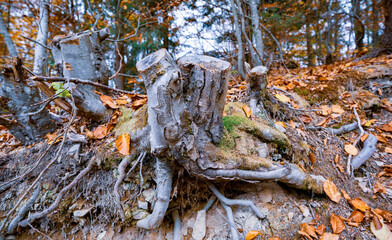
[
  {"x": 337, "y": 223},
  {"x": 320, "y": 230},
  {"x": 331, "y": 190},
  {"x": 247, "y": 111},
  {"x": 252, "y": 234},
  {"x": 351, "y": 149},
  {"x": 359, "y": 204},
  {"x": 108, "y": 101},
  {"x": 329, "y": 236},
  {"x": 309, "y": 229},
  {"x": 356, "y": 216},
  {"x": 380, "y": 230},
  {"x": 337, "y": 109},
  {"x": 100, "y": 132},
  {"x": 123, "y": 144},
  {"x": 282, "y": 98}
]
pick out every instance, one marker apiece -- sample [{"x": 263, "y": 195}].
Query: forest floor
[{"x": 337, "y": 91}]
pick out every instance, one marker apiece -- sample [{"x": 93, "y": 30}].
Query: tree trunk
[
  {"x": 19, "y": 98},
  {"x": 257, "y": 32},
  {"x": 359, "y": 30},
  {"x": 237, "y": 32},
  {"x": 7, "y": 38},
  {"x": 386, "y": 39},
  {"x": 80, "y": 56},
  {"x": 42, "y": 37}
]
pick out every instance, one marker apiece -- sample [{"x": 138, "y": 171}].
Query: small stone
[
  {"x": 81, "y": 213},
  {"x": 101, "y": 235},
  {"x": 307, "y": 220},
  {"x": 263, "y": 150},
  {"x": 149, "y": 195},
  {"x": 142, "y": 205},
  {"x": 266, "y": 195},
  {"x": 199, "y": 228},
  {"x": 305, "y": 210}
]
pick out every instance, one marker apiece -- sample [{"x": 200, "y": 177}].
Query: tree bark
[
  {"x": 257, "y": 32},
  {"x": 20, "y": 97},
  {"x": 359, "y": 30},
  {"x": 42, "y": 37},
  {"x": 7, "y": 39},
  {"x": 80, "y": 56},
  {"x": 237, "y": 32}
]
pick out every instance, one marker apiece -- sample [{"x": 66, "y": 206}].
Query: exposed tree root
[
  {"x": 163, "y": 175},
  {"x": 209, "y": 203},
  {"x": 231, "y": 202},
  {"x": 56, "y": 203},
  {"x": 337, "y": 131},
  {"x": 22, "y": 212},
  {"x": 121, "y": 170},
  {"x": 177, "y": 225},
  {"x": 369, "y": 147},
  {"x": 230, "y": 219}
]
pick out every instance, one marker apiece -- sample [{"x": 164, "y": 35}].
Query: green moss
[
  {"x": 301, "y": 91},
  {"x": 227, "y": 141},
  {"x": 232, "y": 121}
]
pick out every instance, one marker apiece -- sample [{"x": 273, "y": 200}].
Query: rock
[
  {"x": 139, "y": 214},
  {"x": 81, "y": 213},
  {"x": 245, "y": 217},
  {"x": 262, "y": 150},
  {"x": 142, "y": 205},
  {"x": 199, "y": 228},
  {"x": 266, "y": 195},
  {"x": 148, "y": 195},
  {"x": 305, "y": 210}
]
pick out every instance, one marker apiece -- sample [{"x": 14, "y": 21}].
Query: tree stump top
[
  {"x": 151, "y": 60},
  {"x": 204, "y": 62},
  {"x": 259, "y": 70}
]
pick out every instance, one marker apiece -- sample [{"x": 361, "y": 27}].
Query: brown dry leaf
[
  {"x": 100, "y": 132},
  {"x": 351, "y": 149},
  {"x": 139, "y": 103},
  {"x": 388, "y": 150},
  {"x": 359, "y": 204},
  {"x": 292, "y": 124},
  {"x": 304, "y": 235},
  {"x": 387, "y": 127},
  {"x": 356, "y": 216},
  {"x": 275, "y": 238},
  {"x": 380, "y": 230},
  {"x": 337, "y": 224},
  {"x": 337, "y": 109},
  {"x": 108, "y": 101},
  {"x": 247, "y": 111},
  {"x": 337, "y": 158},
  {"x": 324, "y": 122},
  {"x": 379, "y": 188},
  {"x": 381, "y": 138},
  {"x": 364, "y": 137},
  {"x": 89, "y": 134},
  {"x": 121, "y": 101},
  {"x": 282, "y": 98},
  {"x": 282, "y": 124},
  {"x": 370, "y": 122},
  {"x": 331, "y": 190},
  {"x": 306, "y": 118},
  {"x": 123, "y": 144},
  {"x": 312, "y": 158},
  {"x": 51, "y": 138},
  {"x": 385, "y": 214},
  {"x": 346, "y": 196},
  {"x": 325, "y": 110},
  {"x": 252, "y": 234},
  {"x": 320, "y": 230},
  {"x": 329, "y": 236},
  {"x": 310, "y": 230}
]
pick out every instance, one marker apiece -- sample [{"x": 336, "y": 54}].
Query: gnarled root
[
  {"x": 369, "y": 147},
  {"x": 177, "y": 225},
  {"x": 230, "y": 219},
  {"x": 56, "y": 203},
  {"x": 121, "y": 170},
  {"x": 163, "y": 175}
]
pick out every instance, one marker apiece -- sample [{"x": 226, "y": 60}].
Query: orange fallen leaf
[
  {"x": 139, "y": 103},
  {"x": 108, "y": 101},
  {"x": 252, "y": 234},
  {"x": 123, "y": 144},
  {"x": 346, "y": 196},
  {"x": 351, "y": 149},
  {"x": 337, "y": 223},
  {"x": 306, "y": 118},
  {"x": 320, "y": 230},
  {"x": 337, "y": 158},
  {"x": 388, "y": 150},
  {"x": 370, "y": 122},
  {"x": 51, "y": 138},
  {"x": 100, "y": 132},
  {"x": 337, "y": 109},
  {"x": 275, "y": 238},
  {"x": 364, "y": 137},
  {"x": 312, "y": 157},
  {"x": 282, "y": 124},
  {"x": 356, "y": 216},
  {"x": 310, "y": 230},
  {"x": 325, "y": 110},
  {"x": 387, "y": 127},
  {"x": 360, "y": 205},
  {"x": 329, "y": 236},
  {"x": 304, "y": 235},
  {"x": 121, "y": 101},
  {"x": 385, "y": 214},
  {"x": 379, "y": 188},
  {"x": 324, "y": 122},
  {"x": 247, "y": 111},
  {"x": 331, "y": 190}
]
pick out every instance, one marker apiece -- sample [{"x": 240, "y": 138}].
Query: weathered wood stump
[
  {"x": 80, "y": 56},
  {"x": 257, "y": 90},
  {"x": 19, "y": 97}
]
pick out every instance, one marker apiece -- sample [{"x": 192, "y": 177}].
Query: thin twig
[
  {"x": 81, "y": 81},
  {"x": 42, "y": 45},
  {"x": 38, "y": 231},
  {"x": 121, "y": 63}
]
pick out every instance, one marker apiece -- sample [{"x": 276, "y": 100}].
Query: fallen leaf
[
  {"x": 282, "y": 124},
  {"x": 108, "y": 101},
  {"x": 123, "y": 144},
  {"x": 320, "y": 230},
  {"x": 247, "y": 111},
  {"x": 370, "y": 122},
  {"x": 306, "y": 118},
  {"x": 100, "y": 132},
  {"x": 304, "y": 235},
  {"x": 337, "y": 223},
  {"x": 346, "y": 196},
  {"x": 359, "y": 204},
  {"x": 379, "y": 188},
  {"x": 329, "y": 236},
  {"x": 252, "y": 234},
  {"x": 331, "y": 190},
  {"x": 275, "y": 238},
  {"x": 364, "y": 137},
  {"x": 380, "y": 230},
  {"x": 324, "y": 122},
  {"x": 282, "y": 98},
  {"x": 388, "y": 150},
  {"x": 121, "y": 101},
  {"x": 325, "y": 110},
  {"x": 337, "y": 109},
  {"x": 387, "y": 127},
  {"x": 312, "y": 157},
  {"x": 139, "y": 103},
  {"x": 351, "y": 149},
  {"x": 356, "y": 216},
  {"x": 337, "y": 158},
  {"x": 385, "y": 214},
  {"x": 310, "y": 230}
]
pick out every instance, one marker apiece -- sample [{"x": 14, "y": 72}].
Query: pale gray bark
[
  {"x": 237, "y": 31},
  {"x": 257, "y": 32},
  {"x": 7, "y": 38},
  {"x": 42, "y": 37}
]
